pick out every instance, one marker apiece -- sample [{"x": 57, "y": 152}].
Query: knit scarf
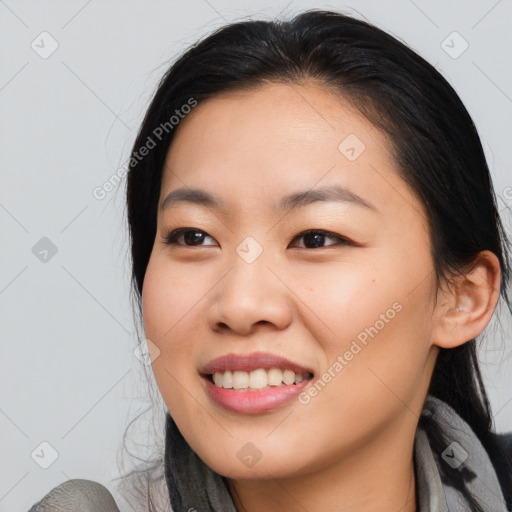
[{"x": 193, "y": 486}]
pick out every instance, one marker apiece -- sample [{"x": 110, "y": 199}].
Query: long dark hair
[{"x": 434, "y": 142}]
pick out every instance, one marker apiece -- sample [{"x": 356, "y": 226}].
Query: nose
[{"x": 249, "y": 294}]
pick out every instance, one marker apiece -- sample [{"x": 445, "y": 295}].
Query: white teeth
[
  {"x": 288, "y": 377},
  {"x": 275, "y": 377},
  {"x": 257, "y": 379},
  {"x": 218, "y": 379},
  {"x": 240, "y": 380},
  {"x": 226, "y": 381}
]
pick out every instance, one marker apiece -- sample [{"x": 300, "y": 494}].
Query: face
[{"x": 305, "y": 267}]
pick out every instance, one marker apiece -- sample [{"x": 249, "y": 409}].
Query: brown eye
[
  {"x": 191, "y": 237},
  {"x": 314, "y": 239}
]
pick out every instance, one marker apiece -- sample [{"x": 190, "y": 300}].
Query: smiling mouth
[{"x": 257, "y": 380}]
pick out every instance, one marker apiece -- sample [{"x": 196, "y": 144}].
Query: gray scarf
[
  {"x": 464, "y": 453},
  {"x": 194, "y": 486}
]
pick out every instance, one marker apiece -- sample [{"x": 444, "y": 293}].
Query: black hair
[{"x": 432, "y": 137}]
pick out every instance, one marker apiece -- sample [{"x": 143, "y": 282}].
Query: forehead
[
  {"x": 273, "y": 117},
  {"x": 279, "y": 137}
]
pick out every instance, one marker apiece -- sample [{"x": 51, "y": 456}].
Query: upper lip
[{"x": 249, "y": 362}]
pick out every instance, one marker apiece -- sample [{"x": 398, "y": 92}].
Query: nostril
[{"x": 264, "y": 322}]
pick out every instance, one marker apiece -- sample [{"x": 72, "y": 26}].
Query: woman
[{"x": 316, "y": 247}]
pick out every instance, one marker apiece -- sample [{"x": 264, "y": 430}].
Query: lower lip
[{"x": 253, "y": 402}]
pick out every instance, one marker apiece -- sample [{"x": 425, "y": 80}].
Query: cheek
[
  {"x": 169, "y": 297},
  {"x": 172, "y": 308},
  {"x": 345, "y": 298},
  {"x": 374, "y": 327}
]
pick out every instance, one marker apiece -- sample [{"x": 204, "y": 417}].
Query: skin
[{"x": 250, "y": 148}]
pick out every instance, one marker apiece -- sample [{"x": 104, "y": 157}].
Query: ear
[{"x": 465, "y": 305}]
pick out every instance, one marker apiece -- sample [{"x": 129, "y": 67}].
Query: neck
[{"x": 378, "y": 476}]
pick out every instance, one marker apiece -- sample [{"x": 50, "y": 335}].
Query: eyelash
[{"x": 171, "y": 237}]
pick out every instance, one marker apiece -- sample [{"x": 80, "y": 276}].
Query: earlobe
[{"x": 465, "y": 307}]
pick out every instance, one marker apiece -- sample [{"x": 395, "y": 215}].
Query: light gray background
[{"x": 68, "y": 373}]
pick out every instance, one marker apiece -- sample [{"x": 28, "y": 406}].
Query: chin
[{"x": 248, "y": 463}]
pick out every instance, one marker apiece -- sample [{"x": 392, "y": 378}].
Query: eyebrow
[{"x": 299, "y": 199}]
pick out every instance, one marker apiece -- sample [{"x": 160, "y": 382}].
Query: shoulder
[
  {"x": 141, "y": 491},
  {"x": 77, "y": 494}
]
